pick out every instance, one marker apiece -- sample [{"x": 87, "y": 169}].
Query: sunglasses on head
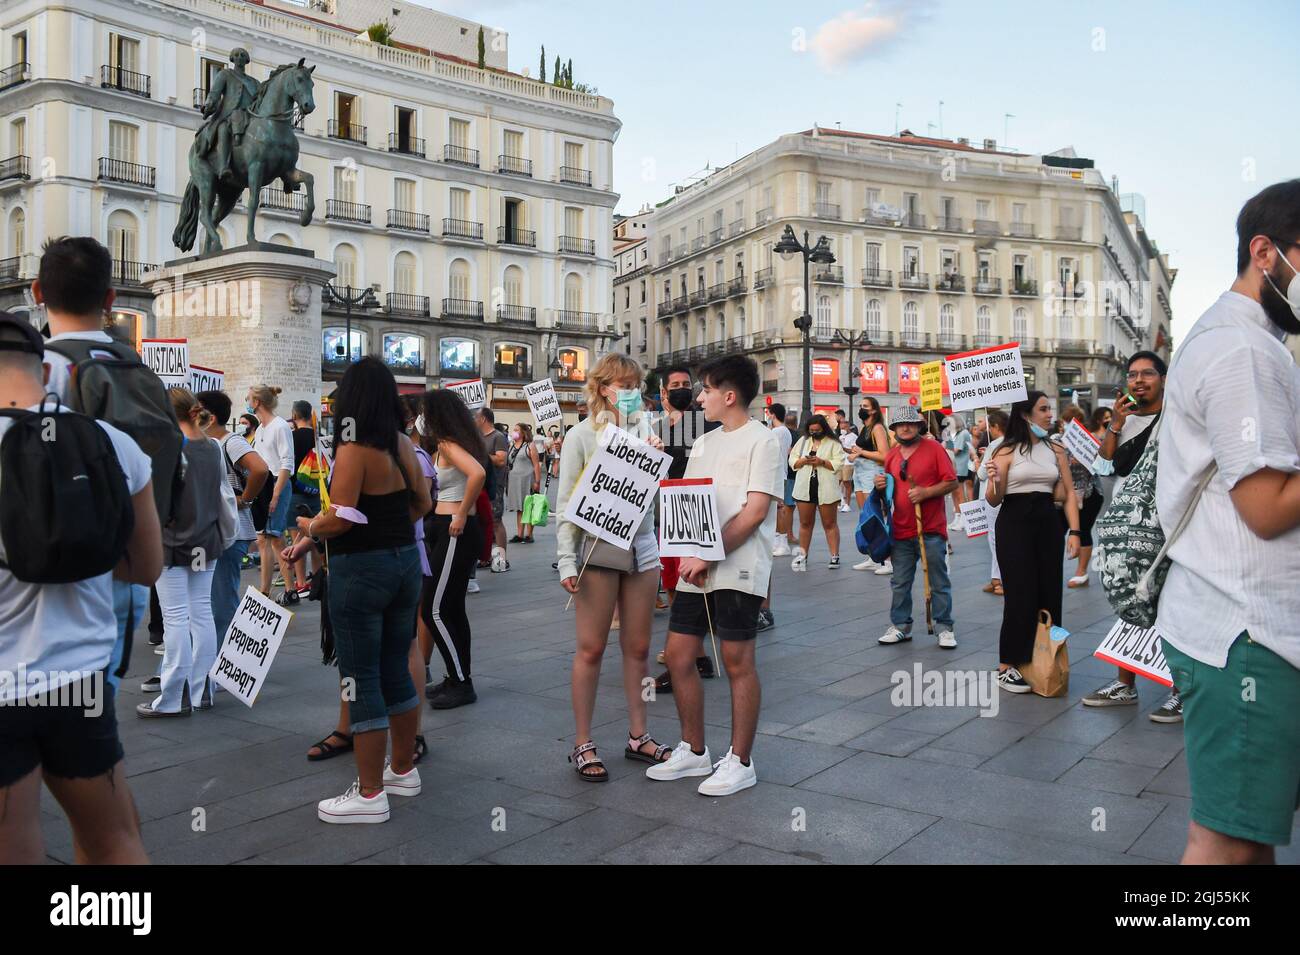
[{"x": 902, "y": 470}]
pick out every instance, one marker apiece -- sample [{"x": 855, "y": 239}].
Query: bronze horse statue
[{"x": 268, "y": 150}]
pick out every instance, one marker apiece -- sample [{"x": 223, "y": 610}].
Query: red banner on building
[
  {"x": 874, "y": 377},
  {"x": 909, "y": 378},
  {"x": 825, "y": 374}
]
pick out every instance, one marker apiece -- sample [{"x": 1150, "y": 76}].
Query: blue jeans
[
  {"x": 374, "y": 596},
  {"x": 905, "y": 556},
  {"x": 127, "y": 598},
  {"x": 225, "y": 588}
]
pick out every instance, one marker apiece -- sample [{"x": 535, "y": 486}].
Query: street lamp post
[
  {"x": 855, "y": 341},
  {"x": 820, "y": 253},
  {"x": 363, "y": 299}
]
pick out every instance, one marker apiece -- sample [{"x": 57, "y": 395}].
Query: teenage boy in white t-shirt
[{"x": 742, "y": 458}]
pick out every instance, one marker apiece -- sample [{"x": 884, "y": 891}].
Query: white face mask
[
  {"x": 419, "y": 425},
  {"x": 1292, "y": 295}
]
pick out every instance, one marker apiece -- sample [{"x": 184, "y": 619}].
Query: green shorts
[{"x": 1242, "y": 739}]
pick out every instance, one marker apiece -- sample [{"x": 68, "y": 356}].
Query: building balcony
[
  {"x": 715, "y": 236},
  {"x": 518, "y": 316},
  {"x": 880, "y": 338},
  {"x": 408, "y": 221},
  {"x": 275, "y": 199},
  {"x": 1025, "y": 288},
  {"x": 575, "y": 245},
  {"x": 348, "y": 132},
  {"x": 699, "y": 297},
  {"x": 952, "y": 284},
  {"x": 950, "y": 342},
  {"x": 17, "y": 268},
  {"x": 664, "y": 309},
  {"x": 13, "y": 75},
  {"x": 764, "y": 216},
  {"x": 200, "y": 96},
  {"x": 985, "y": 340},
  {"x": 913, "y": 220},
  {"x": 827, "y": 210},
  {"x": 124, "y": 81},
  {"x": 764, "y": 277},
  {"x": 697, "y": 353},
  {"x": 408, "y": 306},
  {"x": 737, "y": 286},
  {"x": 577, "y": 321},
  {"x": 335, "y": 298},
  {"x": 462, "y": 229},
  {"x": 878, "y": 278},
  {"x": 987, "y": 227},
  {"x": 340, "y": 211},
  {"x": 126, "y": 272},
  {"x": 735, "y": 228},
  {"x": 698, "y": 243},
  {"x": 681, "y": 304},
  {"x": 680, "y": 357},
  {"x": 680, "y": 251},
  {"x": 575, "y": 176},
  {"x": 130, "y": 173},
  {"x": 515, "y": 166},
  {"x": 15, "y": 167},
  {"x": 460, "y": 156},
  {"x": 1021, "y": 230},
  {"x": 949, "y": 224},
  {"x": 526, "y": 238},
  {"x": 407, "y": 145},
  {"x": 914, "y": 280},
  {"x": 872, "y": 218},
  {"x": 465, "y": 310},
  {"x": 828, "y": 274},
  {"x": 914, "y": 340},
  {"x": 1069, "y": 233},
  {"x": 987, "y": 286},
  {"x": 717, "y": 292},
  {"x": 1073, "y": 346}
]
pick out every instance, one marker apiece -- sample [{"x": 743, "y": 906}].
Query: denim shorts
[
  {"x": 864, "y": 474},
  {"x": 373, "y": 599},
  {"x": 278, "y": 519},
  {"x": 68, "y": 741}
]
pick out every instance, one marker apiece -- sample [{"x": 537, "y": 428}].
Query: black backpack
[
  {"x": 65, "y": 509},
  {"x": 125, "y": 392}
]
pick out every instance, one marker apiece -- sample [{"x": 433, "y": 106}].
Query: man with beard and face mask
[{"x": 1229, "y": 608}]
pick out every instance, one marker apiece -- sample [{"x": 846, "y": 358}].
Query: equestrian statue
[{"x": 246, "y": 142}]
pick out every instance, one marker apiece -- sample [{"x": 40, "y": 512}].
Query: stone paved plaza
[{"x": 845, "y": 775}]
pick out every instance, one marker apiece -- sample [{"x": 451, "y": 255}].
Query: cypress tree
[
  {"x": 482, "y": 50},
  {"x": 541, "y": 65},
  {"x": 568, "y": 74},
  {"x": 556, "y": 74}
]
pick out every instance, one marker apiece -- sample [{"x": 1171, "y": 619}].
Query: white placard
[
  {"x": 617, "y": 487},
  {"x": 168, "y": 358},
  {"x": 989, "y": 376},
  {"x": 250, "y": 646},
  {"x": 544, "y": 404},
  {"x": 688, "y": 519},
  {"x": 1079, "y": 441},
  {"x": 206, "y": 379},
  {"x": 1129, "y": 646},
  {"x": 471, "y": 392},
  {"x": 976, "y": 516}
]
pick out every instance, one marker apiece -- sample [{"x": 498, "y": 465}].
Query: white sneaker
[
  {"x": 844, "y": 509},
  {"x": 473, "y": 587},
  {"x": 730, "y": 776},
  {"x": 956, "y": 524},
  {"x": 885, "y": 569},
  {"x": 398, "y": 784},
  {"x": 894, "y": 635},
  {"x": 947, "y": 640},
  {"x": 867, "y": 564},
  {"x": 681, "y": 763},
  {"x": 352, "y": 807},
  {"x": 782, "y": 548},
  {"x": 800, "y": 562},
  {"x": 499, "y": 563}
]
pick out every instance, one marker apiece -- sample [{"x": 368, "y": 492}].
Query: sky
[{"x": 1185, "y": 102}]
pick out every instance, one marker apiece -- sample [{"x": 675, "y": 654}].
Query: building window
[
  {"x": 458, "y": 280},
  {"x": 771, "y": 377},
  {"x": 911, "y": 322},
  {"x": 824, "y": 315},
  {"x": 573, "y": 364},
  {"x": 405, "y": 129},
  {"x": 345, "y": 265},
  {"x": 404, "y": 194},
  {"x": 123, "y": 236},
  {"x": 911, "y": 261},
  {"x": 460, "y": 204},
  {"x": 458, "y": 133},
  {"x": 510, "y": 360},
  {"x": 1020, "y": 325},
  {"x": 643, "y": 291},
  {"x": 947, "y": 319},
  {"x": 983, "y": 321},
  {"x": 404, "y": 274},
  {"x": 122, "y": 139},
  {"x": 1068, "y": 376},
  {"x": 404, "y": 352},
  {"x": 17, "y": 232},
  {"x": 573, "y": 292},
  {"x": 458, "y": 356},
  {"x": 1030, "y": 378},
  {"x": 332, "y": 348},
  {"x": 513, "y": 285},
  {"x": 345, "y": 184},
  {"x": 123, "y": 52},
  {"x": 874, "y": 319}
]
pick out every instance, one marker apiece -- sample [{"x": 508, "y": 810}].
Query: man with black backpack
[
  {"x": 77, "y": 515},
  {"x": 104, "y": 378}
]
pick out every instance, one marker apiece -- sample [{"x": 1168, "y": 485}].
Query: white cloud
[{"x": 857, "y": 34}]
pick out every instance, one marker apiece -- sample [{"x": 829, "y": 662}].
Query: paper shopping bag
[{"x": 1048, "y": 673}]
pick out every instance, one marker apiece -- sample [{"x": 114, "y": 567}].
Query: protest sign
[
  {"x": 617, "y": 487},
  {"x": 1129, "y": 646},
  {"x": 932, "y": 386},
  {"x": 1080, "y": 442},
  {"x": 976, "y": 515},
  {"x": 205, "y": 379},
  {"x": 168, "y": 358},
  {"x": 988, "y": 376},
  {"x": 688, "y": 519},
  {"x": 472, "y": 392},
  {"x": 250, "y": 646},
  {"x": 544, "y": 404}
]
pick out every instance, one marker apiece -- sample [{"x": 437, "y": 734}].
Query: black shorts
[
  {"x": 734, "y": 614},
  {"x": 260, "y": 507},
  {"x": 65, "y": 741}
]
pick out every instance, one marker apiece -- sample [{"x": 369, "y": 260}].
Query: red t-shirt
[{"x": 928, "y": 465}]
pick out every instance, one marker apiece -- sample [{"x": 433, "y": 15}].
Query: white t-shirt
[
  {"x": 64, "y": 631},
  {"x": 274, "y": 442},
  {"x": 233, "y": 449},
  {"x": 740, "y": 461},
  {"x": 59, "y": 366},
  {"x": 783, "y": 440}
]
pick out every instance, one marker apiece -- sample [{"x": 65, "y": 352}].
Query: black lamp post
[
  {"x": 352, "y": 298},
  {"x": 855, "y": 341},
  {"x": 820, "y": 253}
]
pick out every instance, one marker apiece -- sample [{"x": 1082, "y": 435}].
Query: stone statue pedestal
[{"x": 253, "y": 313}]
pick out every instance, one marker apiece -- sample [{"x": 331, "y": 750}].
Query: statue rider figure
[{"x": 232, "y": 93}]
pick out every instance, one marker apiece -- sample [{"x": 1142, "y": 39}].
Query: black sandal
[
  {"x": 580, "y": 764},
  {"x": 421, "y": 750},
  {"x": 329, "y": 752},
  {"x": 633, "y": 750}
]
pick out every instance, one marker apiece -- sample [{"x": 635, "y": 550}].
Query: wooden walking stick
[{"x": 925, "y": 566}]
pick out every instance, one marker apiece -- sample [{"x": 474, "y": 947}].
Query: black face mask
[
  {"x": 680, "y": 398},
  {"x": 582, "y": 417},
  {"x": 863, "y": 414},
  {"x": 815, "y": 435},
  {"x": 907, "y": 441}
]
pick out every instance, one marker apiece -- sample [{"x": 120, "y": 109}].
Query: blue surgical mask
[
  {"x": 628, "y": 401},
  {"x": 1038, "y": 431},
  {"x": 249, "y": 409}
]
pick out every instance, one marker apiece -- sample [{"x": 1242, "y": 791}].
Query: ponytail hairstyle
[
  {"x": 187, "y": 408},
  {"x": 266, "y": 395}
]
